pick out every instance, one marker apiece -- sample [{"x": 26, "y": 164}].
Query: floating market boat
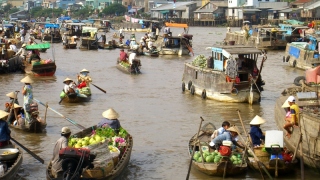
[
  {"x": 10, "y": 162},
  {"x": 219, "y": 77},
  {"x": 309, "y": 124},
  {"x": 303, "y": 55},
  {"x": 43, "y": 67},
  {"x": 152, "y": 53},
  {"x": 83, "y": 96},
  {"x": 108, "y": 162},
  {"x": 89, "y": 39},
  {"x": 130, "y": 69},
  {"x": 213, "y": 163},
  {"x": 53, "y": 37}
]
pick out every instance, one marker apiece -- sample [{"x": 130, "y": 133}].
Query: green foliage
[
  {"x": 114, "y": 8},
  {"x": 13, "y": 10},
  {"x": 45, "y": 12},
  {"x": 7, "y": 7},
  {"x": 83, "y": 12}
]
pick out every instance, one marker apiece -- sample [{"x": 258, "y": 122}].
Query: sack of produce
[{"x": 200, "y": 61}]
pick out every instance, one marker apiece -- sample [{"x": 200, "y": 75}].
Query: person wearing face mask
[{"x": 84, "y": 79}]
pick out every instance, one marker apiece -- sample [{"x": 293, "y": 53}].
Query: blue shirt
[
  {"x": 114, "y": 123},
  {"x": 4, "y": 131},
  {"x": 256, "y": 135}
]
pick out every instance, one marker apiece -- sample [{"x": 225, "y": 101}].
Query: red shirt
[{"x": 123, "y": 56}]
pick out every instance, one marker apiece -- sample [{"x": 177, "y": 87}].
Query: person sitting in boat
[
  {"x": 64, "y": 39},
  {"x": 240, "y": 61},
  {"x": 123, "y": 55},
  {"x": 294, "y": 121},
  {"x": 133, "y": 44},
  {"x": 84, "y": 79},
  {"x": 69, "y": 87},
  {"x": 167, "y": 31},
  {"x": 34, "y": 55},
  {"x": 230, "y": 135},
  {"x": 225, "y": 125},
  {"x": 255, "y": 131},
  {"x": 110, "y": 120},
  {"x": 56, "y": 161},
  {"x": 35, "y": 117},
  {"x": 31, "y": 40},
  {"x": 12, "y": 97},
  {"x": 22, "y": 52},
  {"x": 286, "y": 106},
  {"x": 12, "y": 47},
  {"x": 151, "y": 46},
  {"x": 17, "y": 117},
  {"x": 4, "y": 130}
]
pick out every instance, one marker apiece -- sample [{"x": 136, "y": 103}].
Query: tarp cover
[
  {"x": 89, "y": 29},
  {"x": 38, "y": 46},
  {"x": 51, "y": 26}
]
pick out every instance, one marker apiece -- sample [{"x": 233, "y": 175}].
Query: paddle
[
  {"x": 99, "y": 88},
  {"x": 68, "y": 119},
  {"x": 30, "y": 152},
  {"x": 194, "y": 147}
]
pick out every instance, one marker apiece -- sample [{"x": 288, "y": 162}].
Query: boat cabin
[
  {"x": 74, "y": 29},
  {"x": 89, "y": 31},
  {"x": 23, "y": 24},
  {"x": 8, "y": 30}
]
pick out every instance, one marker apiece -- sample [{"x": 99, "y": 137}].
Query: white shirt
[
  {"x": 67, "y": 87},
  {"x": 120, "y": 30},
  {"x": 22, "y": 52},
  {"x": 13, "y": 47},
  {"x": 132, "y": 56},
  {"x": 150, "y": 44}
]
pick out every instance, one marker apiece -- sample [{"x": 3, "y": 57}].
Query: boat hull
[
  {"x": 76, "y": 99},
  {"x": 34, "y": 127},
  {"x": 309, "y": 124},
  {"x": 128, "y": 69},
  {"x": 14, "y": 168},
  {"x": 41, "y": 69},
  {"x": 89, "y": 44},
  {"x": 70, "y": 46},
  {"x": 173, "y": 51},
  {"x": 136, "y": 30}
]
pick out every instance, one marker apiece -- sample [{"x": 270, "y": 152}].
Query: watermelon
[
  {"x": 210, "y": 158},
  {"x": 196, "y": 155},
  {"x": 199, "y": 159}
]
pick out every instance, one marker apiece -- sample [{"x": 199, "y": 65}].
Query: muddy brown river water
[{"x": 151, "y": 105}]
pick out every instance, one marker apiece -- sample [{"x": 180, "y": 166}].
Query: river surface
[{"x": 151, "y": 105}]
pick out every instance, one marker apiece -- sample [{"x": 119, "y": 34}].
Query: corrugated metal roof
[
  {"x": 273, "y": 4},
  {"x": 178, "y": 6},
  {"x": 313, "y": 6},
  {"x": 205, "y": 10},
  {"x": 289, "y": 10}
]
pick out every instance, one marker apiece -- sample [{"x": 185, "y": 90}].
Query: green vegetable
[
  {"x": 123, "y": 133},
  {"x": 105, "y": 132},
  {"x": 210, "y": 158},
  {"x": 196, "y": 155},
  {"x": 200, "y": 61}
]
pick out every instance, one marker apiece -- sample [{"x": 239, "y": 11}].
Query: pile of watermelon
[
  {"x": 236, "y": 159},
  {"x": 213, "y": 157}
]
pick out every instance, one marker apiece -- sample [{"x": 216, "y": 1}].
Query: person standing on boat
[
  {"x": 255, "y": 131},
  {"x": 34, "y": 55},
  {"x": 27, "y": 92},
  {"x": 295, "y": 112},
  {"x": 22, "y": 52},
  {"x": 84, "y": 79},
  {"x": 12, "y": 46},
  {"x": 225, "y": 125},
  {"x": 123, "y": 55},
  {"x": 12, "y": 97},
  {"x": 64, "y": 39},
  {"x": 110, "y": 120},
  {"x": 56, "y": 161},
  {"x": 23, "y": 33},
  {"x": 4, "y": 130}
]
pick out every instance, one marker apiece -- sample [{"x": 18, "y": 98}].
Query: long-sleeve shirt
[
  {"x": 4, "y": 131},
  {"x": 113, "y": 123},
  {"x": 56, "y": 161},
  {"x": 256, "y": 135}
]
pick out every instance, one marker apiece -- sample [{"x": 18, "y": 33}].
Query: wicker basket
[{"x": 262, "y": 155}]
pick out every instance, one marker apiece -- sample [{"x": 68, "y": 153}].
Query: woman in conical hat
[
  {"x": 27, "y": 92},
  {"x": 255, "y": 131},
  {"x": 4, "y": 130},
  {"x": 286, "y": 106},
  {"x": 12, "y": 96},
  {"x": 110, "y": 119},
  {"x": 84, "y": 79}
]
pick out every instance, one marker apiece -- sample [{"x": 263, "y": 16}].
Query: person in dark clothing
[
  {"x": 34, "y": 55},
  {"x": 255, "y": 131},
  {"x": 4, "y": 130},
  {"x": 110, "y": 119}
]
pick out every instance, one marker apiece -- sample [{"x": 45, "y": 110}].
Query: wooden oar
[
  {"x": 68, "y": 119},
  {"x": 194, "y": 147},
  {"x": 99, "y": 88},
  {"x": 30, "y": 152}
]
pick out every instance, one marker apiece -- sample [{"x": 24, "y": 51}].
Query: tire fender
[
  {"x": 192, "y": 90},
  {"x": 183, "y": 87},
  {"x": 288, "y": 58},
  {"x": 234, "y": 91},
  {"x": 189, "y": 85},
  {"x": 204, "y": 94},
  {"x": 294, "y": 63},
  {"x": 297, "y": 80}
]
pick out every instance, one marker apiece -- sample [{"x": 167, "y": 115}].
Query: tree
[
  {"x": 13, "y": 10},
  {"x": 35, "y": 10},
  {"x": 83, "y": 12},
  {"x": 114, "y": 8},
  {"x": 7, "y": 7}
]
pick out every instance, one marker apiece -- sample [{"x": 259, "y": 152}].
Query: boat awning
[
  {"x": 7, "y": 25},
  {"x": 235, "y": 49},
  {"x": 51, "y": 25},
  {"x": 89, "y": 29},
  {"x": 176, "y": 25},
  {"x": 38, "y": 46},
  {"x": 76, "y": 24},
  {"x": 164, "y": 11}
]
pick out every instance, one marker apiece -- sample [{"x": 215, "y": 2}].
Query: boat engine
[{"x": 74, "y": 161}]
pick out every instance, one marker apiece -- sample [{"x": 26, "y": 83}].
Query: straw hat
[
  {"x": 11, "y": 95},
  {"x": 65, "y": 130},
  {"x": 3, "y": 114},
  {"x": 23, "y": 45},
  {"x": 27, "y": 79},
  {"x": 233, "y": 129},
  {"x": 67, "y": 79},
  {"x": 15, "y": 106},
  {"x": 84, "y": 70},
  {"x": 110, "y": 114},
  {"x": 291, "y": 99},
  {"x": 285, "y": 104},
  {"x": 257, "y": 120}
]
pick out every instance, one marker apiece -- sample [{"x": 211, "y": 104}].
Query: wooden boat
[
  {"x": 130, "y": 69},
  {"x": 303, "y": 55},
  {"x": 213, "y": 169},
  {"x": 175, "y": 45},
  {"x": 74, "y": 98},
  {"x": 219, "y": 78},
  {"x": 55, "y": 37},
  {"x": 90, "y": 41},
  {"x": 109, "y": 45},
  {"x": 136, "y": 30},
  {"x": 13, "y": 166},
  {"x": 119, "y": 165},
  {"x": 152, "y": 53},
  {"x": 309, "y": 124}
]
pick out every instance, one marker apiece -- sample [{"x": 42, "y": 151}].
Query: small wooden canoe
[
  {"x": 225, "y": 166},
  {"x": 129, "y": 69},
  {"x": 12, "y": 167},
  {"x": 70, "y": 46},
  {"x": 73, "y": 98},
  {"x": 38, "y": 69},
  {"x": 152, "y": 54},
  {"x": 33, "y": 127},
  {"x": 91, "y": 174}
]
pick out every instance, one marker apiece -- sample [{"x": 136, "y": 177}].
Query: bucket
[
  {"x": 225, "y": 151},
  {"x": 232, "y": 42}
]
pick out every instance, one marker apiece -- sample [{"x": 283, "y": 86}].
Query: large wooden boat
[
  {"x": 71, "y": 45},
  {"x": 54, "y": 36},
  {"x": 220, "y": 79},
  {"x": 13, "y": 166},
  {"x": 89, "y": 39},
  {"x": 175, "y": 45},
  {"x": 303, "y": 55},
  {"x": 119, "y": 164},
  {"x": 129, "y": 69},
  {"x": 309, "y": 124},
  {"x": 223, "y": 167}
]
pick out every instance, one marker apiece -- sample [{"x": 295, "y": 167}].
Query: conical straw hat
[
  {"x": 15, "y": 106},
  {"x": 257, "y": 120},
  {"x": 3, "y": 114},
  {"x": 110, "y": 114},
  {"x": 11, "y": 95},
  {"x": 233, "y": 129},
  {"x": 285, "y": 104},
  {"x": 84, "y": 70},
  {"x": 67, "y": 79},
  {"x": 27, "y": 79}
]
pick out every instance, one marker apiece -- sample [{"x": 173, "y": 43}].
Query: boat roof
[
  {"x": 7, "y": 25},
  {"x": 237, "y": 49},
  {"x": 89, "y": 29},
  {"x": 76, "y": 24},
  {"x": 50, "y": 25},
  {"x": 176, "y": 25}
]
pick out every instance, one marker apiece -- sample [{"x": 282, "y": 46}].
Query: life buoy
[
  {"x": 288, "y": 58},
  {"x": 297, "y": 80},
  {"x": 294, "y": 63},
  {"x": 189, "y": 85},
  {"x": 183, "y": 87},
  {"x": 192, "y": 90},
  {"x": 234, "y": 91},
  {"x": 204, "y": 94}
]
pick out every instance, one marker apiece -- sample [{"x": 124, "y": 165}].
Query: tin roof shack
[
  {"x": 311, "y": 9},
  {"x": 178, "y": 9},
  {"x": 211, "y": 11}
]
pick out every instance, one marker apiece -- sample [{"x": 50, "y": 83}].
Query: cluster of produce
[
  {"x": 124, "y": 64},
  {"x": 200, "y": 61},
  {"x": 236, "y": 159},
  {"x": 213, "y": 157}
]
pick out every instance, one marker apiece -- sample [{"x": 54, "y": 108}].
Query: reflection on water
[{"x": 152, "y": 106}]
